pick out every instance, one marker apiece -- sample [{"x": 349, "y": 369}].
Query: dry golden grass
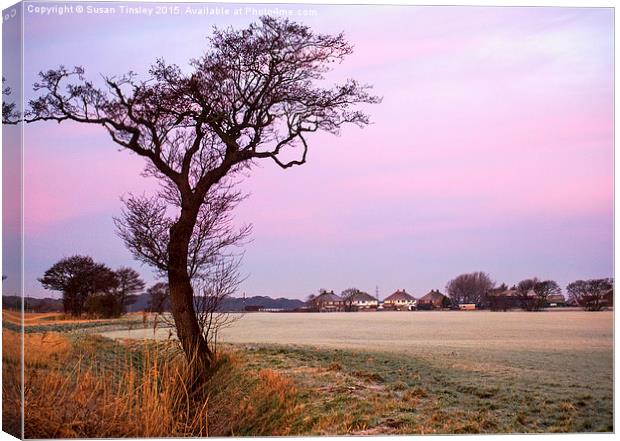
[
  {"x": 85, "y": 385},
  {"x": 11, "y": 382},
  {"x": 140, "y": 391}
]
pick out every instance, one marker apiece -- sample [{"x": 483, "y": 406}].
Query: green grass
[
  {"x": 380, "y": 393},
  {"x": 418, "y": 373}
]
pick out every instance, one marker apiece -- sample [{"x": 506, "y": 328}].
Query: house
[
  {"x": 328, "y": 302},
  {"x": 503, "y": 300},
  {"x": 433, "y": 300},
  {"x": 555, "y": 300},
  {"x": 361, "y": 301},
  {"x": 400, "y": 300}
]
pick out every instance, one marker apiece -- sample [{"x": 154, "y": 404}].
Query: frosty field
[
  {"x": 518, "y": 371},
  {"x": 448, "y": 333},
  {"x": 373, "y": 373}
]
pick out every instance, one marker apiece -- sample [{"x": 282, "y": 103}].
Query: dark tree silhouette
[
  {"x": 10, "y": 115},
  {"x": 78, "y": 277},
  {"x": 527, "y": 296},
  {"x": 255, "y": 94},
  {"x": 114, "y": 299},
  {"x": 470, "y": 288},
  {"x": 127, "y": 284},
  {"x": 103, "y": 305},
  {"x": 543, "y": 290},
  {"x": 591, "y": 295}
]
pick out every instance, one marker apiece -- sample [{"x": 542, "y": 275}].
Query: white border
[{"x": 557, "y": 3}]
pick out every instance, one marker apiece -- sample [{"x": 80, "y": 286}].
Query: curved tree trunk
[{"x": 196, "y": 349}]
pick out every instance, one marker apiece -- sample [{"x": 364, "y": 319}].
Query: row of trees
[
  {"x": 529, "y": 294},
  {"x": 593, "y": 294},
  {"x": 91, "y": 287}
]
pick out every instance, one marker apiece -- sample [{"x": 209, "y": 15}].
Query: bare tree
[
  {"x": 526, "y": 294},
  {"x": 146, "y": 222},
  {"x": 591, "y": 295},
  {"x": 255, "y": 94},
  {"x": 543, "y": 290},
  {"x": 348, "y": 298},
  {"x": 10, "y": 115},
  {"x": 470, "y": 288},
  {"x": 212, "y": 290}
]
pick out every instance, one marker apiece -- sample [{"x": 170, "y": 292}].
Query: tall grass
[{"x": 90, "y": 388}]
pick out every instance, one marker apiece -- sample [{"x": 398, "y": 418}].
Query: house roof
[
  {"x": 327, "y": 297},
  {"x": 400, "y": 295},
  {"x": 432, "y": 296},
  {"x": 362, "y": 297}
]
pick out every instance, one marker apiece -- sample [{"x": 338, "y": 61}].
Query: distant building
[
  {"x": 556, "y": 300},
  {"x": 400, "y": 300},
  {"x": 361, "y": 300},
  {"x": 328, "y": 302},
  {"x": 499, "y": 300},
  {"x": 433, "y": 300}
]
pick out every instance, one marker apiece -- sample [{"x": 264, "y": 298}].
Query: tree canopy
[{"x": 469, "y": 288}]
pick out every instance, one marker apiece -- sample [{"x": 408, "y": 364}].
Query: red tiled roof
[
  {"x": 432, "y": 297},
  {"x": 400, "y": 295}
]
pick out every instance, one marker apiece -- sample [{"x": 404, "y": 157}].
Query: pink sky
[{"x": 492, "y": 150}]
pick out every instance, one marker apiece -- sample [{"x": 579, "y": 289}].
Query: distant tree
[
  {"x": 591, "y": 295},
  {"x": 543, "y": 290},
  {"x": 158, "y": 298},
  {"x": 470, "y": 288},
  {"x": 103, "y": 305},
  {"x": 78, "y": 277},
  {"x": 446, "y": 302},
  {"x": 527, "y": 297},
  {"x": 128, "y": 284},
  {"x": 311, "y": 301},
  {"x": 113, "y": 301},
  {"x": 348, "y": 297}
]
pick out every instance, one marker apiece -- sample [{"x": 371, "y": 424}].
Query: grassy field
[{"x": 367, "y": 373}]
